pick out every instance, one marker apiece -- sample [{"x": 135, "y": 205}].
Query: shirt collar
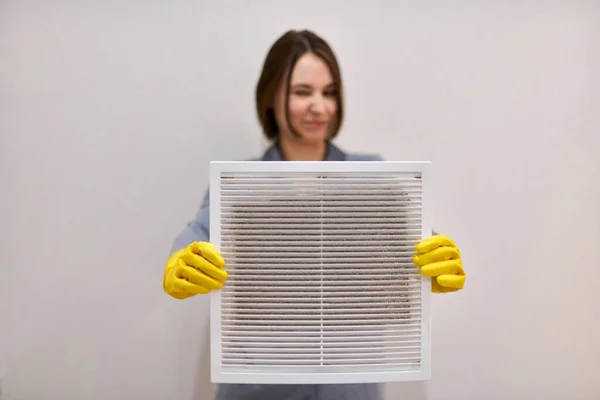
[{"x": 333, "y": 153}]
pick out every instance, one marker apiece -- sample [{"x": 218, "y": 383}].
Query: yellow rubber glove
[
  {"x": 197, "y": 269},
  {"x": 439, "y": 258}
]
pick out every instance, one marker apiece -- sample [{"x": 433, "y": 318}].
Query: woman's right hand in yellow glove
[{"x": 196, "y": 269}]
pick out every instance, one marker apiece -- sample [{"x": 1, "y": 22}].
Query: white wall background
[{"x": 110, "y": 111}]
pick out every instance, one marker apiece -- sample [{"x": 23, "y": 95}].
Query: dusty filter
[{"x": 321, "y": 288}]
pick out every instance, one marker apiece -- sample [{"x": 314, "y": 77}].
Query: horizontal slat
[
  {"x": 311, "y": 301},
  {"x": 318, "y": 336},
  {"x": 293, "y": 271},
  {"x": 310, "y": 348},
  {"x": 373, "y": 243},
  {"x": 330, "y": 360},
  {"x": 293, "y": 342},
  {"x": 299, "y": 180},
  {"x": 318, "y": 317},
  {"x": 374, "y": 272},
  {"x": 309, "y": 266},
  {"x": 303, "y": 187},
  {"x": 313, "y": 265},
  {"x": 396, "y": 221},
  {"x": 323, "y": 286},
  {"x": 354, "y": 271},
  {"x": 316, "y": 224},
  {"x": 285, "y": 251},
  {"x": 318, "y": 210},
  {"x": 275, "y": 329},
  {"x": 228, "y": 247},
  {"x": 324, "y": 357},
  {"x": 267, "y": 324},
  {"x": 315, "y": 353},
  {"x": 227, "y": 305},
  {"x": 236, "y": 243},
  {"x": 350, "y": 368},
  {"x": 292, "y": 345},
  {"x": 325, "y": 260},
  {"x": 316, "y": 278},
  {"x": 398, "y": 266},
  {"x": 405, "y": 229},
  {"x": 266, "y": 233},
  {"x": 380, "y": 277},
  {"x": 367, "y": 291},
  {"x": 385, "y": 220},
  {"x": 345, "y": 176},
  {"x": 318, "y": 349},
  {"x": 373, "y": 340},
  {"x": 307, "y": 181},
  {"x": 235, "y": 208},
  {"x": 365, "y": 200},
  {"x": 242, "y": 253},
  {"x": 405, "y": 329},
  {"x": 323, "y": 203},
  {"x": 315, "y": 308},
  {"x": 353, "y": 190},
  {"x": 324, "y": 314},
  {"x": 229, "y": 202},
  {"x": 233, "y": 263},
  {"x": 318, "y": 320},
  {"x": 249, "y": 297},
  {"x": 315, "y": 192},
  {"x": 276, "y": 334},
  {"x": 320, "y": 339},
  {"x": 276, "y": 319},
  {"x": 338, "y": 310},
  {"x": 299, "y": 297},
  {"x": 390, "y": 234},
  {"x": 365, "y": 294},
  {"x": 327, "y": 178},
  {"x": 327, "y": 339}
]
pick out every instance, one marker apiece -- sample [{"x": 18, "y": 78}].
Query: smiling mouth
[{"x": 316, "y": 124}]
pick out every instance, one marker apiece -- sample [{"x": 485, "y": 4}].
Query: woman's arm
[{"x": 198, "y": 229}]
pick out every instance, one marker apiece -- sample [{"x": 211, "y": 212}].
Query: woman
[{"x": 300, "y": 108}]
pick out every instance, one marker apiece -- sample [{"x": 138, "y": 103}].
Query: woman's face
[{"x": 312, "y": 100}]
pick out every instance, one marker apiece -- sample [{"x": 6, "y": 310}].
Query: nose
[{"x": 317, "y": 105}]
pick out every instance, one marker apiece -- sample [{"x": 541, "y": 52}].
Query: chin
[{"x": 314, "y": 136}]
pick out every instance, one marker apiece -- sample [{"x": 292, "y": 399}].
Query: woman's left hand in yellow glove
[{"x": 439, "y": 258}]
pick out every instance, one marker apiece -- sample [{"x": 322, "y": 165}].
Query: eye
[
  {"x": 331, "y": 93},
  {"x": 302, "y": 92}
]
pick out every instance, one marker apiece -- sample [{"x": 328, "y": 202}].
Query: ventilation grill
[{"x": 321, "y": 288}]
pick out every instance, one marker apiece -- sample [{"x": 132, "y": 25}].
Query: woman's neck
[{"x": 298, "y": 151}]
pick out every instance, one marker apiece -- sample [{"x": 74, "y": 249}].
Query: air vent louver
[{"x": 321, "y": 288}]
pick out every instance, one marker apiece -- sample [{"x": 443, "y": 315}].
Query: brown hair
[{"x": 282, "y": 58}]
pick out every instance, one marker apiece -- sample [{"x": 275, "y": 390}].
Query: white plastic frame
[{"x": 217, "y": 168}]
